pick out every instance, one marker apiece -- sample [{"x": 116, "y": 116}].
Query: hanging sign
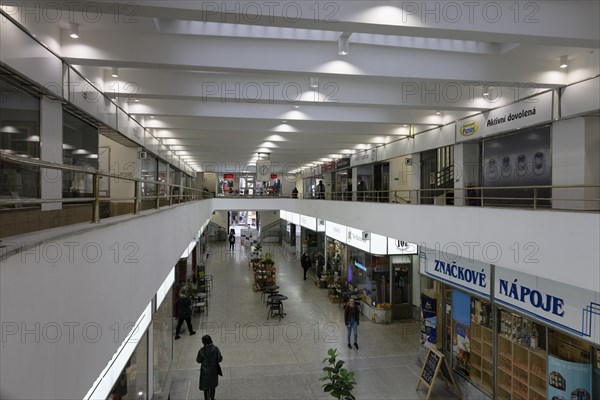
[{"x": 263, "y": 170}]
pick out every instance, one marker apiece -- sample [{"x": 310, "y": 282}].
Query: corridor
[{"x": 271, "y": 359}]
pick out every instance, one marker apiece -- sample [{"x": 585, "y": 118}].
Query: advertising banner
[
  {"x": 566, "y": 307},
  {"x": 428, "y": 321},
  {"x": 568, "y": 380},
  {"x": 527, "y": 112}
]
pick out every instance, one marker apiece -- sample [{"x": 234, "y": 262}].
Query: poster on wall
[
  {"x": 568, "y": 380},
  {"x": 461, "y": 331},
  {"x": 428, "y": 321},
  {"x": 521, "y": 159}
]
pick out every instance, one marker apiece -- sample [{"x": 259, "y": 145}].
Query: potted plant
[
  {"x": 267, "y": 260},
  {"x": 339, "y": 381}
]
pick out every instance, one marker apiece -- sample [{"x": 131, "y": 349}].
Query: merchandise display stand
[{"x": 264, "y": 276}]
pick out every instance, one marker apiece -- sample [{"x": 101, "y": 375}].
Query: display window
[
  {"x": 133, "y": 381},
  {"x": 162, "y": 325},
  {"x": 569, "y": 368}
]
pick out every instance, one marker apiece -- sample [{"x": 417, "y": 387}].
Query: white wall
[
  {"x": 116, "y": 267},
  {"x": 220, "y": 218},
  {"x": 96, "y": 282},
  {"x": 123, "y": 161},
  {"x": 466, "y": 169},
  {"x": 592, "y": 159},
  {"x": 401, "y": 176}
]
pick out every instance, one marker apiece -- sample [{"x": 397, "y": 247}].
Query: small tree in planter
[{"x": 340, "y": 381}]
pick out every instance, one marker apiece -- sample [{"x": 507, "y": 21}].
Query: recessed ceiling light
[
  {"x": 284, "y": 121},
  {"x": 438, "y": 112},
  {"x": 563, "y": 61},
  {"x": 74, "y": 30},
  {"x": 115, "y": 72},
  {"x": 296, "y": 107},
  {"x": 152, "y": 116},
  {"x": 137, "y": 100}
]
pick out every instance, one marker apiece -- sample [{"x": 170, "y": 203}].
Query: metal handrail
[{"x": 196, "y": 194}]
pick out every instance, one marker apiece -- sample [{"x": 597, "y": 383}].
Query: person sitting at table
[{"x": 184, "y": 311}]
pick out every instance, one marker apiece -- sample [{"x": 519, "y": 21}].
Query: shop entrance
[{"x": 402, "y": 291}]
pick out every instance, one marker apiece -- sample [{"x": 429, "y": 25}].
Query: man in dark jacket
[
  {"x": 210, "y": 357},
  {"x": 305, "y": 262},
  {"x": 184, "y": 311}
]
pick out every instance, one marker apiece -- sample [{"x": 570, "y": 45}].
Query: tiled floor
[{"x": 270, "y": 359}]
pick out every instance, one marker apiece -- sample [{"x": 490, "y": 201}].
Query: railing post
[
  {"x": 136, "y": 198},
  {"x": 171, "y": 195},
  {"x": 96, "y": 205},
  {"x": 180, "y": 193},
  {"x": 535, "y": 198},
  {"x": 481, "y": 197}
]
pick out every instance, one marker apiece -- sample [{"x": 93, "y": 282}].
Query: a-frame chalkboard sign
[{"x": 432, "y": 365}]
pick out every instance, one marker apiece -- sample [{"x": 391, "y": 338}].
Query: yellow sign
[{"x": 469, "y": 129}]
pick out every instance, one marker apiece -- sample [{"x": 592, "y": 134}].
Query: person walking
[
  {"x": 351, "y": 319},
  {"x": 209, "y": 356},
  {"x": 305, "y": 263},
  {"x": 321, "y": 190},
  {"x": 294, "y": 193},
  {"x": 184, "y": 312},
  {"x": 232, "y": 241}
]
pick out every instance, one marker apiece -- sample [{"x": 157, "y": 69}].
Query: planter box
[{"x": 376, "y": 315}]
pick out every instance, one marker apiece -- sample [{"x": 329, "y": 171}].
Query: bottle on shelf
[{"x": 533, "y": 342}]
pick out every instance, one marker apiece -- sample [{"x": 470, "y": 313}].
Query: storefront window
[
  {"x": 149, "y": 172},
  {"x": 19, "y": 135},
  {"x": 80, "y": 148},
  {"x": 133, "y": 382},
  {"x": 522, "y": 366},
  {"x": 569, "y": 367},
  {"x": 162, "y": 322},
  {"x": 162, "y": 177}
]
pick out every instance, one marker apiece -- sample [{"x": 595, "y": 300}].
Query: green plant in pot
[
  {"x": 339, "y": 381},
  {"x": 267, "y": 260}
]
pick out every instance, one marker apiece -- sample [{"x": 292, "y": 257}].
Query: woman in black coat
[{"x": 210, "y": 357}]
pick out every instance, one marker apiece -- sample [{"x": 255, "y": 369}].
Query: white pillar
[
  {"x": 466, "y": 170},
  {"x": 575, "y": 150},
  {"x": 51, "y": 136}
]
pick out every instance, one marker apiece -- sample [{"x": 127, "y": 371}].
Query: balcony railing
[{"x": 549, "y": 197}]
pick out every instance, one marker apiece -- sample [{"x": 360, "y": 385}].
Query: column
[{"x": 51, "y": 136}]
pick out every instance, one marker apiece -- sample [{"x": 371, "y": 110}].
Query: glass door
[{"x": 402, "y": 291}]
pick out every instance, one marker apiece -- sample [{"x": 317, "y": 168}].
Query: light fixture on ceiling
[
  {"x": 74, "y": 30},
  {"x": 563, "y": 61},
  {"x": 343, "y": 44},
  {"x": 314, "y": 82},
  {"x": 115, "y": 72},
  {"x": 438, "y": 113},
  {"x": 284, "y": 121},
  {"x": 152, "y": 116},
  {"x": 296, "y": 107}
]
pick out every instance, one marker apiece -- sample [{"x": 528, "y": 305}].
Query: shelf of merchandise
[
  {"x": 481, "y": 362},
  {"x": 521, "y": 371}
]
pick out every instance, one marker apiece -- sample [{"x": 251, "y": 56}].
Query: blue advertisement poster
[
  {"x": 461, "y": 343},
  {"x": 568, "y": 380},
  {"x": 429, "y": 321}
]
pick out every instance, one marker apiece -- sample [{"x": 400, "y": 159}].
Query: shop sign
[
  {"x": 401, "y": 247},
  {"x": 308, "y": 222},
  {"x": 527, "y": 112},
  {"x": 471, "y": 275},
  {"x": 364, "y": 157},
  {"x": 328, "y": 167},
  {"x": 320, "y": 225},
  {"x": 335, "y": 231},
  {"x": 342, "y": 163},
  {"x": 356, "y": 239},
  {"x": 228, "y": 176},
  {"x": 572, "y": 309}
]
